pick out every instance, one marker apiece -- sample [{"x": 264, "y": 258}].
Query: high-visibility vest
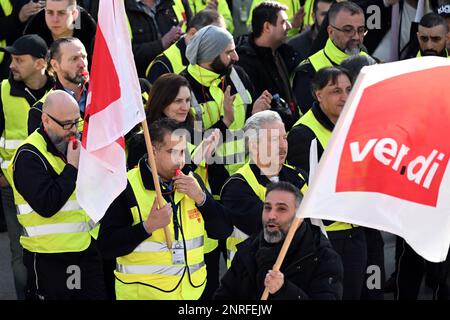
[
  {"x": 180, "y": 13},
  {"x": 222, "y": 8},
  {"x": 149, "y": 272},
  {"x": 66, "y": 231},
  {"x": 321, "y": 59},
  {"x": 15, "y": 132},
  {"x": 292, "y": 9},
  {"x": 233, "y": 152},
  {"x": 237, "y": 235},
  {"x": 202, "y": 171},
  {"x": 174, "y": 55},
  {"x": 7, "y": 10},
  {"x": 324, "y": 136}
]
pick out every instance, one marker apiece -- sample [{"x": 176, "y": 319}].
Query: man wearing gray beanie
[{"x": 222, "y": 97}]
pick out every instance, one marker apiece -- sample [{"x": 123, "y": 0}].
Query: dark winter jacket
[{"x": 312, "y": 269}]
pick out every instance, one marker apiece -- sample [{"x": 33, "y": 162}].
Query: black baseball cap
[
  {"x": 444, "y": 10},
  {"x": 31, "y": 44}
]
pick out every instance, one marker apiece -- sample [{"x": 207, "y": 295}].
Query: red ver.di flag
[
  {"x": 386, "y": 166},
  {"x": 114, "y": 107}
]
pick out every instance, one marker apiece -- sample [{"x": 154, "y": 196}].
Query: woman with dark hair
[{"x": 331, "y": 87}]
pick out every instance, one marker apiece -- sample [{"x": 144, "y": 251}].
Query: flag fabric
[
  {"x": 386, "y": 166},
  {"x": 114, "y": 107}
]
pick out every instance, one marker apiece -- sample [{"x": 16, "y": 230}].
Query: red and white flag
[
  {"x": 387, "y": 163},
  {"x": 113, "y": 108}
]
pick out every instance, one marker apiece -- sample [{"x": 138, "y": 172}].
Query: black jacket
[
  {"x": 147, "y": 31},
  {"x": 10, "y": 29},
  {"x": 244, "y": 205},
  {"x": 118, "y": 236},
  {"x": 300, "y": 137},
  {"x": 86, "y": 33},
  {"x": 18, "y": 89},
  {"x": 35, "y": 179},
  {"x": 312, "y": 269},
  {"x": 259, "y": 64}
]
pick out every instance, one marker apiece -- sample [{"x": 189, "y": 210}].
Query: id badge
[{"x": 178, "y": 253}]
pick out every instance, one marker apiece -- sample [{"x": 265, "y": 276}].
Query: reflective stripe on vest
[
  {"x": 232, "y": 152},
  {"x": 65, "y": 231},
  {"x": 149, "y": 266},
  {"x": 237, "y": 236},
  {"x": 321, "y": 59},
  {"x": 56, "y": 228},
  {"x": 160, "y": 270},
  {"x": 324, "y": 136},
  {"x": 69, "y": 206},
  {"x": 7, "y": 10},
  {"x": 15, "y": 110}
]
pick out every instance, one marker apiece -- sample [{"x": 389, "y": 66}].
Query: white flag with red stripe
[
  {"x": 113, "y": 108},
  {"x": 387, "y": 163}
]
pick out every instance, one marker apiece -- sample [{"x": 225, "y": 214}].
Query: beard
[
  {"x": 78, "y": 79},
  {"x": 60, "y": 143},
  {"x": 221, "y": 68},
  {"x": 273, "y": 236},
  {"x": 431, "y": 52},
  {"x": 352, "y": 48}
]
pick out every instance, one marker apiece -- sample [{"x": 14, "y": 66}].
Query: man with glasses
[
  {"x": 346, "y": 31},
  {"x": 59, "y": 251}
]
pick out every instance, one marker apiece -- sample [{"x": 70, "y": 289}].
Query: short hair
[
  {"x": 163, "y": 93},
  {"x": 354, "y": 64},
  {"x": 204, "y": 18},
  {"x": 266, "y": 11},
  {"x": 287, "y": 187},
  {"x": 54, "y": 51},
  {"x": 69, "y": 2},
  {"x": 327, "y": 75},
  {"x": 432, "y": 19},
  {"x": 348, "y": 6},
  {"x": 316, "y": 4},
  {"x": 160, "y": 128},
  {"x": 254, "y": 124}
]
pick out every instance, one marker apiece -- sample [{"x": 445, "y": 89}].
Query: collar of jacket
[
  {"x": 321, "y": 116},
  {"x": 18, "y": 88},
  {"x": 204, "y": 76},
  {"x": 445, "y": 55},
  {"x": 334, "y": 53}
]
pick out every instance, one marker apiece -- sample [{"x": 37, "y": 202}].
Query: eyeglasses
[
  {"x": 65, "y": 126},
  {"x": 350, "y": 31}
]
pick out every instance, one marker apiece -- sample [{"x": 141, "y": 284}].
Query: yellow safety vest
[
  {"x": 292, "y": 9},
  {"x": 67, "y": 230},
  {"x": 7, "y": 10},
  {"x": 180, "y": 13},
  {"x": 210, "y": 112},
  {"x": 238, "y": 236},
  {"x": 222, "y": 8},
  {"x": 324, "y": 136},
  {"x": 202, "y": 171},
  {"x": 15, "y": 132},
  {"x": 321, "y": 59},
  {"x": 173, "y": 53},
  {"x": 149, "y": 272}
]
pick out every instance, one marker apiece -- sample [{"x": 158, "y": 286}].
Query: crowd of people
[{"x": 235, "y": 93}]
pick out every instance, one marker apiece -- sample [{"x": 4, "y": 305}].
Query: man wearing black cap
[{"x": 27, "y": 83}]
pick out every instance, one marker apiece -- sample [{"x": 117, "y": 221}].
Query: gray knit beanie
[{"x": 207, "y": 44}]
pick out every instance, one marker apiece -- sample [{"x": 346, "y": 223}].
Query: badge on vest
[
  {"x": 195, "y": 214},
  {"x": 178, "y": 253}
]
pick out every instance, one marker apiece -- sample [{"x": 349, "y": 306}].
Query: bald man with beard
[{"x": 59, "y": 251}]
